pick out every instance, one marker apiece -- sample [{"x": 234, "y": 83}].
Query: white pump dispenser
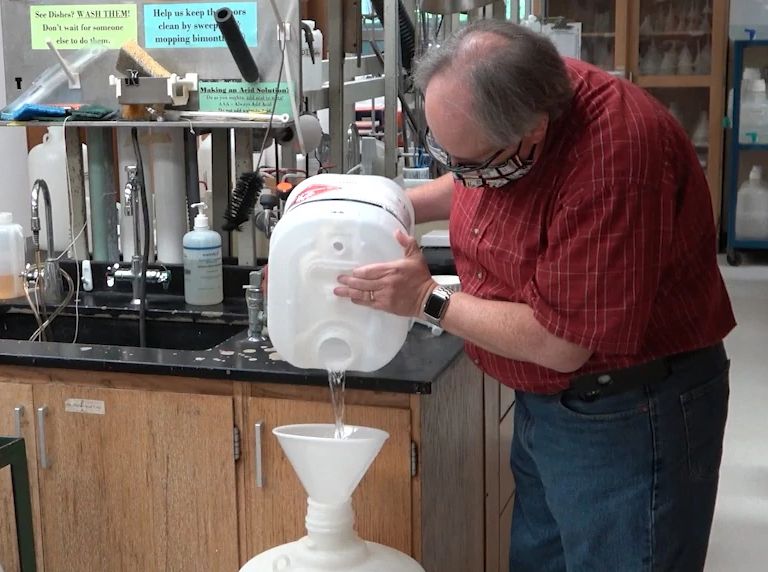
[{"x": 203, "y": 279}]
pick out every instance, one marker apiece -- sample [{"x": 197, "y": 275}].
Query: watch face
[{"x": 434, "y": 305}]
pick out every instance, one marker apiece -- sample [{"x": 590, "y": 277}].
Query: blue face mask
[{"x": 485, "y": 174}]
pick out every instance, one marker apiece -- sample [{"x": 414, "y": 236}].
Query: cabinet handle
[
  {"x": 258, "y": 429},
  {"x": 41, "y": 413},
  {"x": 18, "y": 413}
]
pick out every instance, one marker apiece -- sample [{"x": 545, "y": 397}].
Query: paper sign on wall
[
  {"x": 193, "y": 25},
  {"x": 90, "y": 406},
  {"x": 237, "y": 95},
  {"x": 77, "y": 26}
]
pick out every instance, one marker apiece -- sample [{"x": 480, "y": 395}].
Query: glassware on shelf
[
  {"x": 646, "y": 28},
  {"x": 693, "y": 18},
  {"x": 685, "y": 61},
  {"x": 669, "y": 61},
  {"x": 674, "y": 111},
  {"x": 700, "y": 136},
  {"x": 703, "y": 62},
  {"x": 650, "y": 63},
  {"x": 670, "y": 22}
]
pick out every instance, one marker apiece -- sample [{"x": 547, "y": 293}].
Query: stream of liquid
[{"x": 337, "y": 381}]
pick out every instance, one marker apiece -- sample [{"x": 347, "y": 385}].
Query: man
[{"x": 582, "y": 230}]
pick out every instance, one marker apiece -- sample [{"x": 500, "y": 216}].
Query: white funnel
[{"x": 330, "y": 469}]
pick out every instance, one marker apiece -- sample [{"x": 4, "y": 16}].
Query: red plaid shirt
[{"x": 609, "y": 239}]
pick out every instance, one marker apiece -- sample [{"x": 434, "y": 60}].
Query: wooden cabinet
[
  {"x": 276, "y": 503},
  {"x": 675, "y": 50},
  {"x": 136, "y": 480},
  {"x": 17, "y": 419},
  {"x": 499, "y": 482},
  {"x": 139, "y": 472}
]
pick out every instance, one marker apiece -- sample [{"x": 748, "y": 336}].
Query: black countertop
[{"x": 421, "y": 361}]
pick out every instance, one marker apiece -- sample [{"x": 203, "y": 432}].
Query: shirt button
[
  {"x": 477, "y": 362},
  {"x": 475, "y": 231},
  {"x": 480, "y": 275}
]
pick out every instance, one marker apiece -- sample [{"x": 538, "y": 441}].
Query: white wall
[
  {"x": 751, "y": 14},
  {"x": 14, "y": 186}
]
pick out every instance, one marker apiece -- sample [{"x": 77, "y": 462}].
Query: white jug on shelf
[
  {"x": 48, "y": 161},
  {"x": 752, "y": 207}
]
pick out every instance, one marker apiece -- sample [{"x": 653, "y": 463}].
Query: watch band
[{"x": 436, "y": 305}]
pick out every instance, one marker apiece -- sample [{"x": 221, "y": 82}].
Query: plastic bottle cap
[
  {"x": 6, "y": 218},
  {"x": 759, "y": 85},
  {"x": 201, "y": 220},
  {"x": 751, "y": 73},
  {"x": 756, "y": 174}
]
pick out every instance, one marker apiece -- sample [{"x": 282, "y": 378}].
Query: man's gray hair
[{"x": 509, "y": 86}]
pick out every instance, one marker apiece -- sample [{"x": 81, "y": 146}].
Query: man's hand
[{"x": 398, "y": 287}]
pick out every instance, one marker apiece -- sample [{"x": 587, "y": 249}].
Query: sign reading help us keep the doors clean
[{"x": 193, "y": 25}]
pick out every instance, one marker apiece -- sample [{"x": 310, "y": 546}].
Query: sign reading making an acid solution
[
  {"x": 77, "y": 26},
  {"x": 237, "y": 95},
  {"x": 193, "y": 25}
]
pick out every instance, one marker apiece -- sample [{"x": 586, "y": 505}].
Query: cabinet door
[
  {"x": 673, "y": 39},
  {"x": 13, "y": 396},
  {"x": 137, "y": 480},
  {"x": 604, "y": 24},
  {"x": 277, "y": 508}
]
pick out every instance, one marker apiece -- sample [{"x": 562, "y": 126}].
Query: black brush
[{"x": 243, "y": 200}]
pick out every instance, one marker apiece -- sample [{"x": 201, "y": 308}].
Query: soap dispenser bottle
[{"x": 203, "y": 281}]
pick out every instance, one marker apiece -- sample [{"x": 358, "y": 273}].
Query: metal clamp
[
  {"x": 258, "y": 429},
  {"x": 41, "y": 413},
  {"x": 18, "y": 413}
]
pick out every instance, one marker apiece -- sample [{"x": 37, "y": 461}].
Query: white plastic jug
[
  {"x": 312, "y": 73},
  {"x": 752, "y": 207},
  {"x": 48, "y": 161},
  {"x": 11, "y": 258},
  {"x": 332, "y": 225}
]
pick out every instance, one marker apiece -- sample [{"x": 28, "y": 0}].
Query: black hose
[
  {"x": 192, "y": 175},
  {"x": 407, "y": 32},
  {"x": 236, "y": 44},
  {"x": 145, "y": 253}
]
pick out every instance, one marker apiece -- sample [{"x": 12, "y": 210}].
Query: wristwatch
[{"x": 436, "y": 305}]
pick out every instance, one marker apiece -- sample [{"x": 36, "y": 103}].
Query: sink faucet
[
  {"x": 48, "y": 272},
  {"x": 257, "y": 308},
  {"x": 132, "y": 272}
]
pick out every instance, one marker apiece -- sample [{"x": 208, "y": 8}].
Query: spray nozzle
[{"x": 201, "y": 220}]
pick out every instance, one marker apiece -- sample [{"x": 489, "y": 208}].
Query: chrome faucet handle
[{"x": 111, "y": 272}]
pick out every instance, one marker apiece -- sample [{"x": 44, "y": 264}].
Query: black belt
[{"x": 593, "y": 386}]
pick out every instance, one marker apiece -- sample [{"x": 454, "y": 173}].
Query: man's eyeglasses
[{"x": 441, "y": 156}]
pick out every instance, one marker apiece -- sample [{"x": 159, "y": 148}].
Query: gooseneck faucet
[
  {"x": 120, "y": 273},
  {"x": 50, "y": 277}
]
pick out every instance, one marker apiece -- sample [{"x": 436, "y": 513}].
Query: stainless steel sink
[{"x": 121, "y": 331}]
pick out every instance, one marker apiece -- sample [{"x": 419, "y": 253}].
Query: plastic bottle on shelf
[
  {"x": 753, "y": 124},
  {"x": 11, "y": 258},
  {"x": 752, "y": 207},
  {"x": 48, "y": 161},
  {"x": 749, "y": 76},
  {"x": 203, "y": 279},
  {"x": 312, "y": 72}
]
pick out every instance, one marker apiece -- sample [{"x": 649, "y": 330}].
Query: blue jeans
[{"x": 626, "y": 483}]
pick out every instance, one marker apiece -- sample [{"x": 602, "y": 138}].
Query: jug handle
[{"x": 281, "y": 563}]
